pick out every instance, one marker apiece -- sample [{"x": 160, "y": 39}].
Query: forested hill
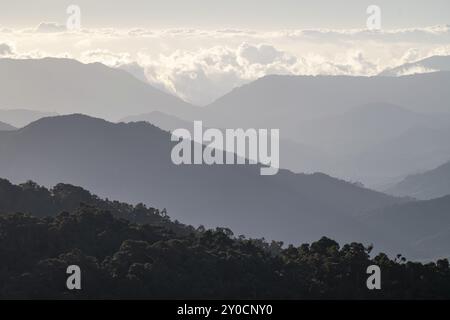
[
  {"x": 39, "y": 201},
  {"x": 121, "y": 259}
]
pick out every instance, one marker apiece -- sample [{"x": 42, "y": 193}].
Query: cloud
[
  {"x": 202, "y": 76},
  {"x": 196, "y": 76},
  {"x": 106, "y": 57},
  {"x": 261, "y": 54},
  {"x": 50, "y": 27},
  {"x": 414, "y": 70},
  {"x": 6, "y": 50}
]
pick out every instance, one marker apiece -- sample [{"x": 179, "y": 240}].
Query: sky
[
  {"x": 200, "y": 50},
  {"x": 255, "y": 14}
]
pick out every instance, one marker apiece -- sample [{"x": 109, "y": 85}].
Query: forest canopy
[{"x": 127, "y": 251}]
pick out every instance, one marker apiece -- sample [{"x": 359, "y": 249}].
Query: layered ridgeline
[
  {"x": 427, "y": 185},
  {"x": 378, "y": 143},
  {"x": 68, "y": 86},
  {"x": 423, "y": 225},
  {"x": 6, "y": 127},
  {"x": 121, "y": 259},
  {"x": 376, "y": 130},
  {"x": 294, "y": 156},
  {"x": 287, "y": 100},
  {"x": 132, "y": 163}
]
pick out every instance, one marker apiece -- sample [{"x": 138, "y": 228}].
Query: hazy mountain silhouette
[
  {"x": 342, "y": 116},
  {"x": 430, "y": 64},
  {"x": 21, "y": 117},
  {"x": 422, "y": 225},
  {"x": 131, "y": 162},
  {"x": 161, "y": 120},
  {"x": 329, "y": 123},
  {"x": 294, "y": 156},
  {"x": 360, "y": 127},
  {"x": 285, "y": 100},
  {"x": 377, "y": 143},
  {"x": 68, "y": 86},
  {"x": 430, "y": 184},
  {"x": 6, "y": 127},
  {"x": 414, "y": 151}
]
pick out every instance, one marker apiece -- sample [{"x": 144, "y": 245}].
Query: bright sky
[{"x": 255, "y": 14}]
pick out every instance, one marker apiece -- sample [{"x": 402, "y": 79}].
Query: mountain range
[
  {"x": 422, "y": 225},
  {"x": 427, "y": 185},
  {"x": 131, "y": 162},
  {"x": 68, "y": 86},
  {"x": 6, "y": 127},
  {"x": 376, "y": 143},
  {"x": 21, "y": 117},
  {"x": 340, "y": 125},
  {"x": 374, "y": 130}
]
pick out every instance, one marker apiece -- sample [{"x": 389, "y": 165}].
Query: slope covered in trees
[
  {"x": 39, "y": 201},
  {"x": 123, "y": 259},
  {"x": 132, "y": 163}
]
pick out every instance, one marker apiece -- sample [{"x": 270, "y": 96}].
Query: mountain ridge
[
  {"x": 71, "y": 86},
  {"x": 426, "y": 185},
  {"x": 131, "y": 162}
]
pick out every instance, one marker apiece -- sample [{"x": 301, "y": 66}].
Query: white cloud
[
  {"x": 106, "y": 57},
  {"x": 50, "y": 27},
  {"x": 203, "y": 75},
  {"x": 6, "y": 50},
  {"x": 414, "y": 70}
]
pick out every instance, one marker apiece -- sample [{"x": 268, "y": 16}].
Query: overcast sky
[
  {"x": 201, "y": 49},
  {"x": 260, "y": 14}
]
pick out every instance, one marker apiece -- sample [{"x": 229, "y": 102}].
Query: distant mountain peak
[
  {"x": 426, "y": 185},
  {"x": 6, "y": 127},
  {"x": 68, "y": 86}
]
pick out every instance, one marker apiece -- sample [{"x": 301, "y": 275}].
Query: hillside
[
  {"x": 423, "y": 225},
  {"x": 31, "y": 198},
  {"x": 131, "y": 162},
  {"x": 122, "y": 260},
  {"x": 427, "y": 185},
  {"x": 286, "y": 100},
  {"x": 294, "y": 156},
  {"x": 6, "y": 127},
  {"x": 345, "y": 117},
  {"x": 68, "y": 86}
]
